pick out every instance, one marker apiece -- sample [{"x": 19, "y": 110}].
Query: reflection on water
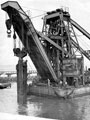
[{"x": 72, "y": 109}]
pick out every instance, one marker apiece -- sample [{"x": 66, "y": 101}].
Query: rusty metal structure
[{"x": 53, "y": 51}]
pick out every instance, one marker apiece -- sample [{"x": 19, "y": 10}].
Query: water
[{"x": 72, "y": 109}]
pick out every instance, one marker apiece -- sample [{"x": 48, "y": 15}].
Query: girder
[
  {"x": 80, "y": 49},
  {"x": 82, "y": 30}
]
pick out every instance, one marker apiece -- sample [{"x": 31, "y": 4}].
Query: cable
[
  {"x": 79, "y": 36},
  {"x": 84, "y": 42},
  {"x": 37, "y": 16},
  {"x": 35, "y": 9}
]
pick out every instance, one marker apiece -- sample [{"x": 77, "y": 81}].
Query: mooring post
[{"x": 21, "y": 81}]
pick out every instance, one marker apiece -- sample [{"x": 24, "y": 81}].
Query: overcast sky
[{"x": 79, "y": 10}]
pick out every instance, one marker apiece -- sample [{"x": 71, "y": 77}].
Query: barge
[{"x": 57, "y": 92}]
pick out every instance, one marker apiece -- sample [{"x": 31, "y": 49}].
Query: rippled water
[{"x": 72, "y": 109}]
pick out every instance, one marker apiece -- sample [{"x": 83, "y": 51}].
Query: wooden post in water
[{"x": 21, "y": 81}]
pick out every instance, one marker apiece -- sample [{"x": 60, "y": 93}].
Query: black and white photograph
[{"x": 44, "y": 60}]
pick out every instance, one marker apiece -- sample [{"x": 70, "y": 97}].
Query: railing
[{"x": 14, "y": 72}]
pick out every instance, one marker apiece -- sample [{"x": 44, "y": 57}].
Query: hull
[
  {"x": 58, "y": 92},
  {"x": 5, "y": 85}
]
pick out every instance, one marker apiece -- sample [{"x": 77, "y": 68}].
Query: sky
[{"x": 78, "y": 9}]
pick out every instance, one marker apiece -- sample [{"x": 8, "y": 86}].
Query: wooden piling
[{"x": 21, "y": 81}]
